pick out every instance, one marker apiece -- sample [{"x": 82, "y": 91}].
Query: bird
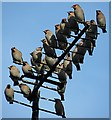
[
  {"x": 33, "y": 63},
  {"x": 76, "y": 58},
  {"x": 48, "y": 50},
  {"x": 36, "y": 56},
  {"x": 50, "y": 61},
  {"x": 89, "y": 38},
  {"x": 67, "y": 65},
  {"x": 65, "y": 28},
  {"x": 79, "y": 13},
  {"x": 17, "y": 56},
  {"x": 39, "y": 69},
  {"x": 27, "y": 69},
  {"x": 61, "y": 91},
  {"x": 89, "y": 46},
  {"x": 52, "y": 41},
  {"x": 9, "y": 94},
  {"x": 92, "y": 34},
  {"x": 25, "y": 89},
  {"x": 14, "y": 74},
  {"x": 94, "y": 29},
  {"x": 72, "y": 22},
  {"x": 62, "y": 40},
  {"x": 101, "y": 20},
  {"x": 59, "y": 108},
  {"x": 46, "y": 67},
  {"x": 62, "y": 76},
  {"x": 81, "y": 50}
]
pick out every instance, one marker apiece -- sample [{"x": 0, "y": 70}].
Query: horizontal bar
[
  {"x": 47, "y": 99},
  {"x": 22, "y": 103}
]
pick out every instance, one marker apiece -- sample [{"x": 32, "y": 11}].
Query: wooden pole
[{"x": 35, "y": 107}]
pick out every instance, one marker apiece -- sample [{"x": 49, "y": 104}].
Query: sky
[{"x": 87, "y": 94}]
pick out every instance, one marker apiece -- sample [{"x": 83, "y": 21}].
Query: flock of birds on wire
[{"x": 52, "y": 42}]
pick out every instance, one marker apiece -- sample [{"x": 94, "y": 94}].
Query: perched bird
[
  {"x": 89, "y": 38},
  {"x": 76, "y": 58},
  {"x": 36, "y": 56},
  {"x": 79, "y": 13},
  {"x": 94, "y": 29},
  {"x": 46, "y": 67},
  {"x": 101, "y": 20},
  {"x": 33, "y": 63},
  {"x": 39, "y": 69},
  {"x": 62, "y": 41},
  {"x": 61, "y": 91},
  {"x": 67, "y": 65},
  {"x": 59, "y": 108},
  {"x": 9, "y": 94},
  {"x": 89, "y": 46},
  {"x": 50, "y": 61},
  {"x": 81, "y": 50},
  {"x": 14, "y": 74},
  {"x": 27, "y": 69},
  {"x": 62, "y": 76},
  {"x": 72, "y": 22},
  {"x": 78, "y": 54},
  {"x": 49, "y": 51},
  {"x": 52, "y": 41},
  {"x": 25, "y": 90},
  {"x": 16, "y": 55},
  {"x": 65, "y": 28}
]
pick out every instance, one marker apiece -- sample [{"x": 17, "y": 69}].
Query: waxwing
[
  {"x": 72, "y": 22},
  {"x": 79, "y": 13},
  {"x": 62, "y": 41},
  {"x": 39, "y": 69},
  {"x": 9, "y": 94},
  {"x": 67, "y": 65},
  {"x": 101, "y": 20},
  {"x": 27, "y": 69},
  {"x": 62, "y": 76},
  {"x": 25, "y": 90},
  {"x": 65, "y": 28},
  {"x": 76, "y": 58},
  {"x": 81, "y": 51},
  {"x": 48, "y": 50},
  {"x": 52, "y": 41},
  {"x": 61, "y": 91},
  {"x": 94, "y": 29},
  {"x": 36, "y": 55},
  {"x": 16, "y": 55},
  {"x": 50, "y": 61},
  {"x": 14, "y": 74},
  {"x": 59, "y": 108},
  {"x": 46, "y": 67}
]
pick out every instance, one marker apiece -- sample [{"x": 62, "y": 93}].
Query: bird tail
[
  {"x": 78, "y": 67},
  {"x": 90, "y": 52},
  {"x": 70, "y": 76},
  {"x": 63, "y": 116},
  {"x": 104, "y": 31}
]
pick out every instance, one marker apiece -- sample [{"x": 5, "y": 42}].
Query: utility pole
[
  {"x": 35, "y": 106},
  {"x": 43, "y": 77}
]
